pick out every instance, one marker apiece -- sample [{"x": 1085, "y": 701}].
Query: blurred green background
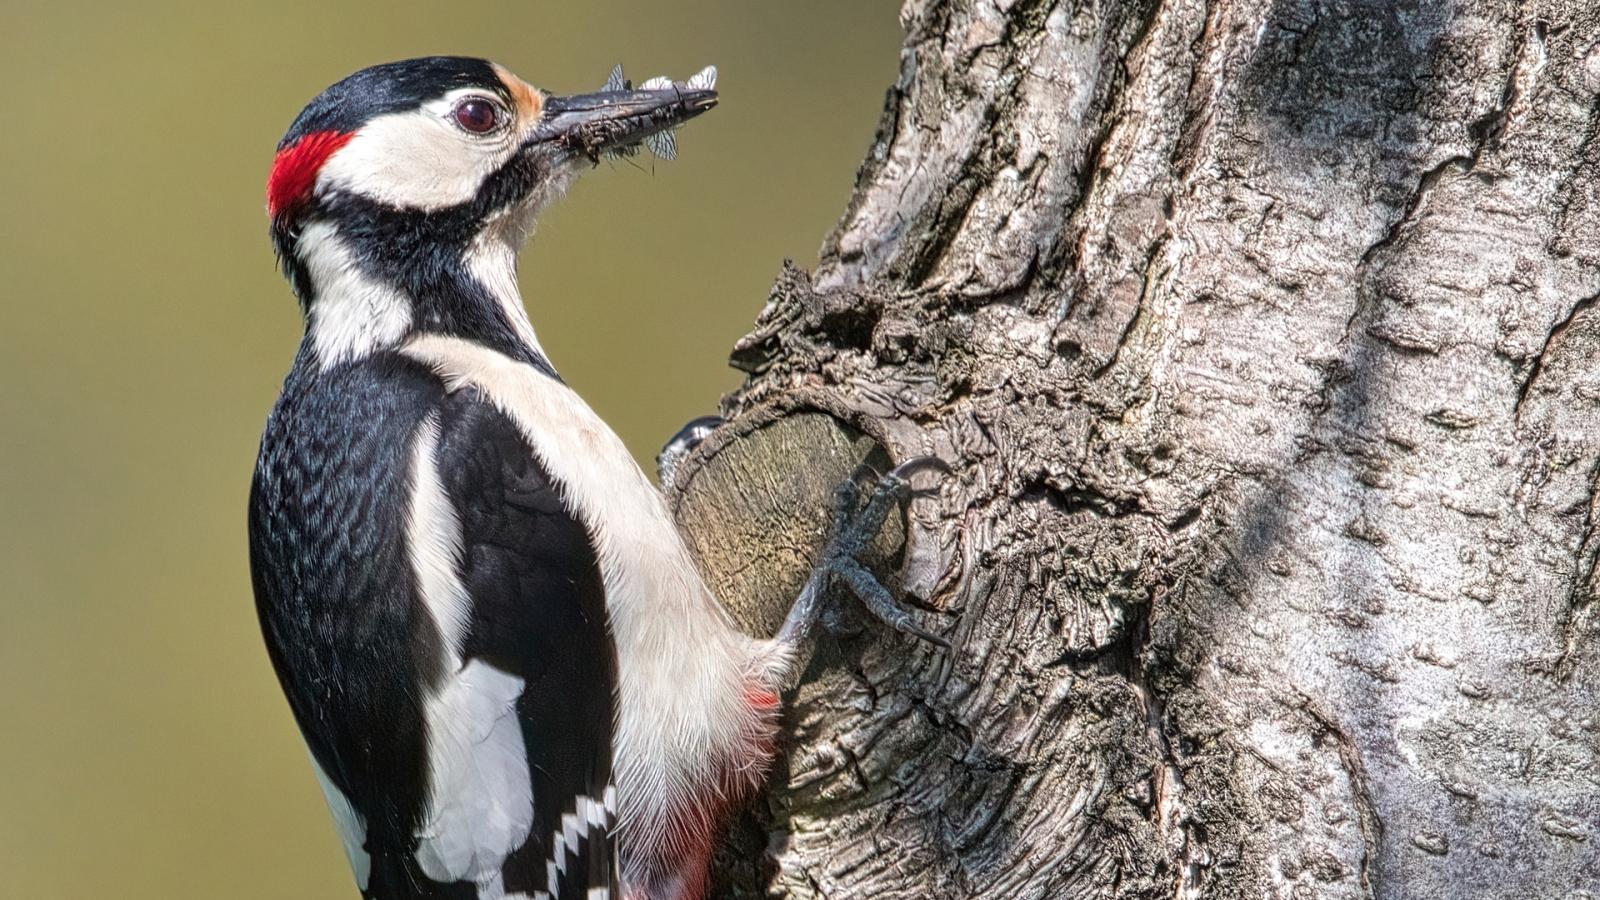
[{"x": 145, "y": 751}]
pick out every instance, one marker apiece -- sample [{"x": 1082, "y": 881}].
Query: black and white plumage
[
  {"x": 512, "y": 680},
  {"x": 440, "y": 619}
]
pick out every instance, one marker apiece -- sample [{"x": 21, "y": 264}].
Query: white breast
[{"x": 683, "y": 666}]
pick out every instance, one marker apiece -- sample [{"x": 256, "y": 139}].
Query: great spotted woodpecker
[{"x": 512, "y": 680}]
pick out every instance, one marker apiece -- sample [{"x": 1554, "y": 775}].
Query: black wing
[
  {"x": 539, "y": 613},
  {"x": 360, "y": 656}
]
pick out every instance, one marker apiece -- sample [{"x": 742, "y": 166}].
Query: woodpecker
[{"x": 511, "y": 677}]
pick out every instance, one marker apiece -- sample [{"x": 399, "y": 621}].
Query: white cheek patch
[{"x": 416, "y": 160}]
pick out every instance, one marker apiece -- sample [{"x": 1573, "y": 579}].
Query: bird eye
[{"x": 476, "y": 115}]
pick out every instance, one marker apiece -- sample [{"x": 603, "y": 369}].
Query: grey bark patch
[{"x": 1263, "y": 338}]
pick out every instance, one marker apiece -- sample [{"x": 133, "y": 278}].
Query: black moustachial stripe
[
  {"x": 354, "y": 646},
  {"x": 352, "y": 102},
  {"x": 420, "y": 252},
  {"x": 423, "y": 254}
]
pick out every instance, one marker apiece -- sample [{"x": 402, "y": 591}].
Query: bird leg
[{"x": 855, "y": 525}]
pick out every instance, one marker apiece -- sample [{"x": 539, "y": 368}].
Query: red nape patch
[{"x": 294, "y": 170}]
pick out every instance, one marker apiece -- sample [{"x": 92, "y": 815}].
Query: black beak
[{"x": 592, "y": 124}]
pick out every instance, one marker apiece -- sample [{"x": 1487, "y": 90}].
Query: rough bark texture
[{"x": 1265, "y": 339}]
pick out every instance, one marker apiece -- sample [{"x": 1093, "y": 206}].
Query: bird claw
[
  {"x": 857, "y": 524},
  {"x": 896, "y": 482},
  {"x": 922, "y": 464},
  {"x": 864, "y": 472}
]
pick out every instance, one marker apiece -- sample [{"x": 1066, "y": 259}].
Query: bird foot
[{"x": 859, "y": 516}]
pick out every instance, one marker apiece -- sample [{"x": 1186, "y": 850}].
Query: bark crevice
[{"x": 1264, "y": 338}]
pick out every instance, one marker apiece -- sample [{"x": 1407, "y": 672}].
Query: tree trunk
[{"x": 1264, "y": 338}]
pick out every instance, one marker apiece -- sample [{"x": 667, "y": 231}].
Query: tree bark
[{"x": 1264, "y": 337}]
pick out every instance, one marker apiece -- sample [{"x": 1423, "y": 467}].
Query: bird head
[{"x": 421, "y": 180}]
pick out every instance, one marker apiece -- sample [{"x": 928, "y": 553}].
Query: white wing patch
[
  {"x": 480, "y": 807},
  {"x": 480, "y": 793},
  {"x": 351, "y": 826}
]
